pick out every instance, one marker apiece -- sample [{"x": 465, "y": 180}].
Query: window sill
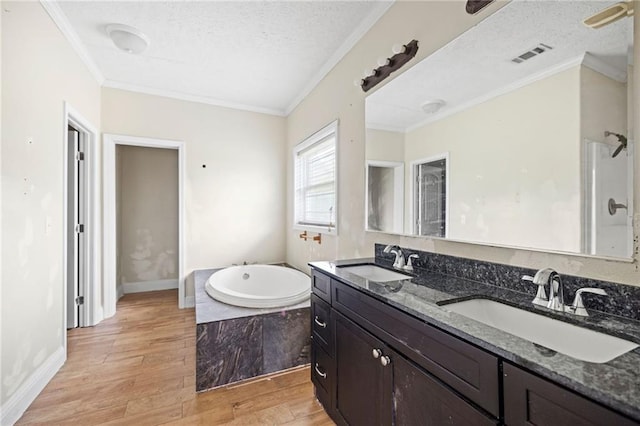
[{"x": 333, "y": 231}]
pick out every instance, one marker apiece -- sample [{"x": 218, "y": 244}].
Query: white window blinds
[{"x": 315, "y": 181}]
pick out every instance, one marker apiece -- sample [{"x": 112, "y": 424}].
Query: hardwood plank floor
[{"x": 138, "y": 368}]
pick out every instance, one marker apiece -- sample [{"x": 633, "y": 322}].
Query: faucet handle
[
  {"x": 578, "y": 305},
  {"x": 541, "y": 295},
  {"x": 409, "y": 266}
]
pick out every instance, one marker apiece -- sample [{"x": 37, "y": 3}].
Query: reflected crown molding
[{"x": 585, "y": 59}]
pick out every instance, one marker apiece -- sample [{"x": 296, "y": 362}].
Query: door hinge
[
  {"x": 80, "y": 156},
  {"x": 79, "y": 228},
  {"x": 80, "y": 300}
]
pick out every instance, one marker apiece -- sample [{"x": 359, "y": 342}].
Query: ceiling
[
  {"x": 477, "y": 65},
  {"x": 255, "y": 55}
]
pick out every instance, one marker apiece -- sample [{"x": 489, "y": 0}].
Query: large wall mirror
[{"x": 515, "y": 134}]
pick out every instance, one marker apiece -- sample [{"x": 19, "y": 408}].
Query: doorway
[
  {"x": 81, "y": 309},
  {"x": 429, "y": 195},
  {"x": 146, "y": 261}
]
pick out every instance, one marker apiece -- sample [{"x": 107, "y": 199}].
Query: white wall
[
  {"x": 147, "y": 221},
  {"x": 39, "y": 72},
  {"x": 433, "y": 24},
  {"x": 521, "y": 136},
  {"x": 235, "y": 204},
  {"x": 385, "y": 145}
]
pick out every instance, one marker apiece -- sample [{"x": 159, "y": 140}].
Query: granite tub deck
[
  {"x": 234, "y": 343},
  {"x": 615, "y": 384}
]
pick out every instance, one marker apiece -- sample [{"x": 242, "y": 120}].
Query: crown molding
[
  {"x": 190, "y": 98},
  {"x": 366, "y": 24},
  {"x": 602, "y": 67},
  {"x": 58, "y": 17}
]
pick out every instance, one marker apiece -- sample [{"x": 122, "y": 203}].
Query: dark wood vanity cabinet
[
  {"x": 373, "y": 364},
  {"x": 362, "y": 380},
  {"x": 531, "y": 400},
  {"x": 378, "y": 386}
]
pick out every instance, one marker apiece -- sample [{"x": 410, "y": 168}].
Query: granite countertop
[{"x": 615, "y": 383}]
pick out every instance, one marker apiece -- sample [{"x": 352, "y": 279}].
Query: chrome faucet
[
  {"x": 549, "y": 277},
  {"x": 555, "y": 301},
  {"x": 399, "y": 262}
]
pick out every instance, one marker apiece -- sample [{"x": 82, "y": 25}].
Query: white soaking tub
[{"x": 259, "y": 286}]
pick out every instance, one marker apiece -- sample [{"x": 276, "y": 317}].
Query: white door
[
  {"x": 430, "y": 198},
  {"x": 76, "y": 241}
]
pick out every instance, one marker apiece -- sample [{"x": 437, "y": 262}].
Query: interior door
[
  {"x": 430, "y": 198},
  {"x": 76, "y": 245}
]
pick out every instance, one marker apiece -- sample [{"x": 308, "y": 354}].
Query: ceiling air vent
[{"x": 539, "y": 49}]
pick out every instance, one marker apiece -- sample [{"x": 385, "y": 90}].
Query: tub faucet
[{"x": 399, "y": 262}]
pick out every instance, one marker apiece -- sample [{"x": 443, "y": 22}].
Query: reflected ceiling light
[
  {"x": 127, "y": 38},
  {"x": 432, "y": 106}
]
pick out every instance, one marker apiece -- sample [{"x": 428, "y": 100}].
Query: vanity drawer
[
  {"x": 321, "y": 324},
  {"x": 470, "y": 371},
  {"x": 321, "y": 286},
  {"x": 323, "y": 376}
]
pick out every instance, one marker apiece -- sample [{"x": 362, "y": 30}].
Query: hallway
[{"x": 138, "y": 368}]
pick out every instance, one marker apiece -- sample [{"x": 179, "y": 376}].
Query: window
[{"x": 314, "y": 162}]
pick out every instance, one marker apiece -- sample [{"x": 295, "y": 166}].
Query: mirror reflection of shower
[
  {"x": 622, "y": 139},
  {"x": 608, "y": 180}
]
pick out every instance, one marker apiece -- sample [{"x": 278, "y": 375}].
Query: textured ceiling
[
  {"x": 256, "y": 55},
  {"x": 478, "y": 64}
]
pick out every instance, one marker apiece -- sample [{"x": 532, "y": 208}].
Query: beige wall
[
  {"x": 385, "y": 145},
  {"x": 40, "y": 71},
  {"x": 519, "y": 135},
  {"x": 603, "y": 106},
  {"x": 147, "y": 219},
  {"x": 235, "y": 205},
  {"x": 433, "y": 24}
]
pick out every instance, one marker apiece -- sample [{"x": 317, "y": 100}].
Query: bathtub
[{"x": 259, "y": 286}]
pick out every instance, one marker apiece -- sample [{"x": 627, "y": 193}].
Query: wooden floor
[{"x": 138, "y": 368}]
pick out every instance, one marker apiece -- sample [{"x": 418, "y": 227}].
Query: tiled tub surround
[
  {"x": 234, "y": 343},
  {"x": 615, "y": 384}
]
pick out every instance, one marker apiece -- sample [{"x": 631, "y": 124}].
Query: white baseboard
[
  {"x": 189, "y": 301},
  {"x": 18, "y": 403},
  {"x": 139, "y": 287},
  {"x": 119, "y": 292}
]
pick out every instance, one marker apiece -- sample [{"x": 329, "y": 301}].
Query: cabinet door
[
  {"x": 419, "y": 399},
  {"x": 531, "y": 400},
  {"x": 363, "y": 384}
]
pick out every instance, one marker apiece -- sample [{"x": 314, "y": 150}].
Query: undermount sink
[
  {"x": 574, "y": 341},
  {"x": 375, "y": 273}
]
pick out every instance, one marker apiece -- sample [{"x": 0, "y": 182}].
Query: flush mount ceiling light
[
  {"x": 432, "y": 106},
  {"x": 127, "y": 38},
  {"x": 609, "y": 15}
]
